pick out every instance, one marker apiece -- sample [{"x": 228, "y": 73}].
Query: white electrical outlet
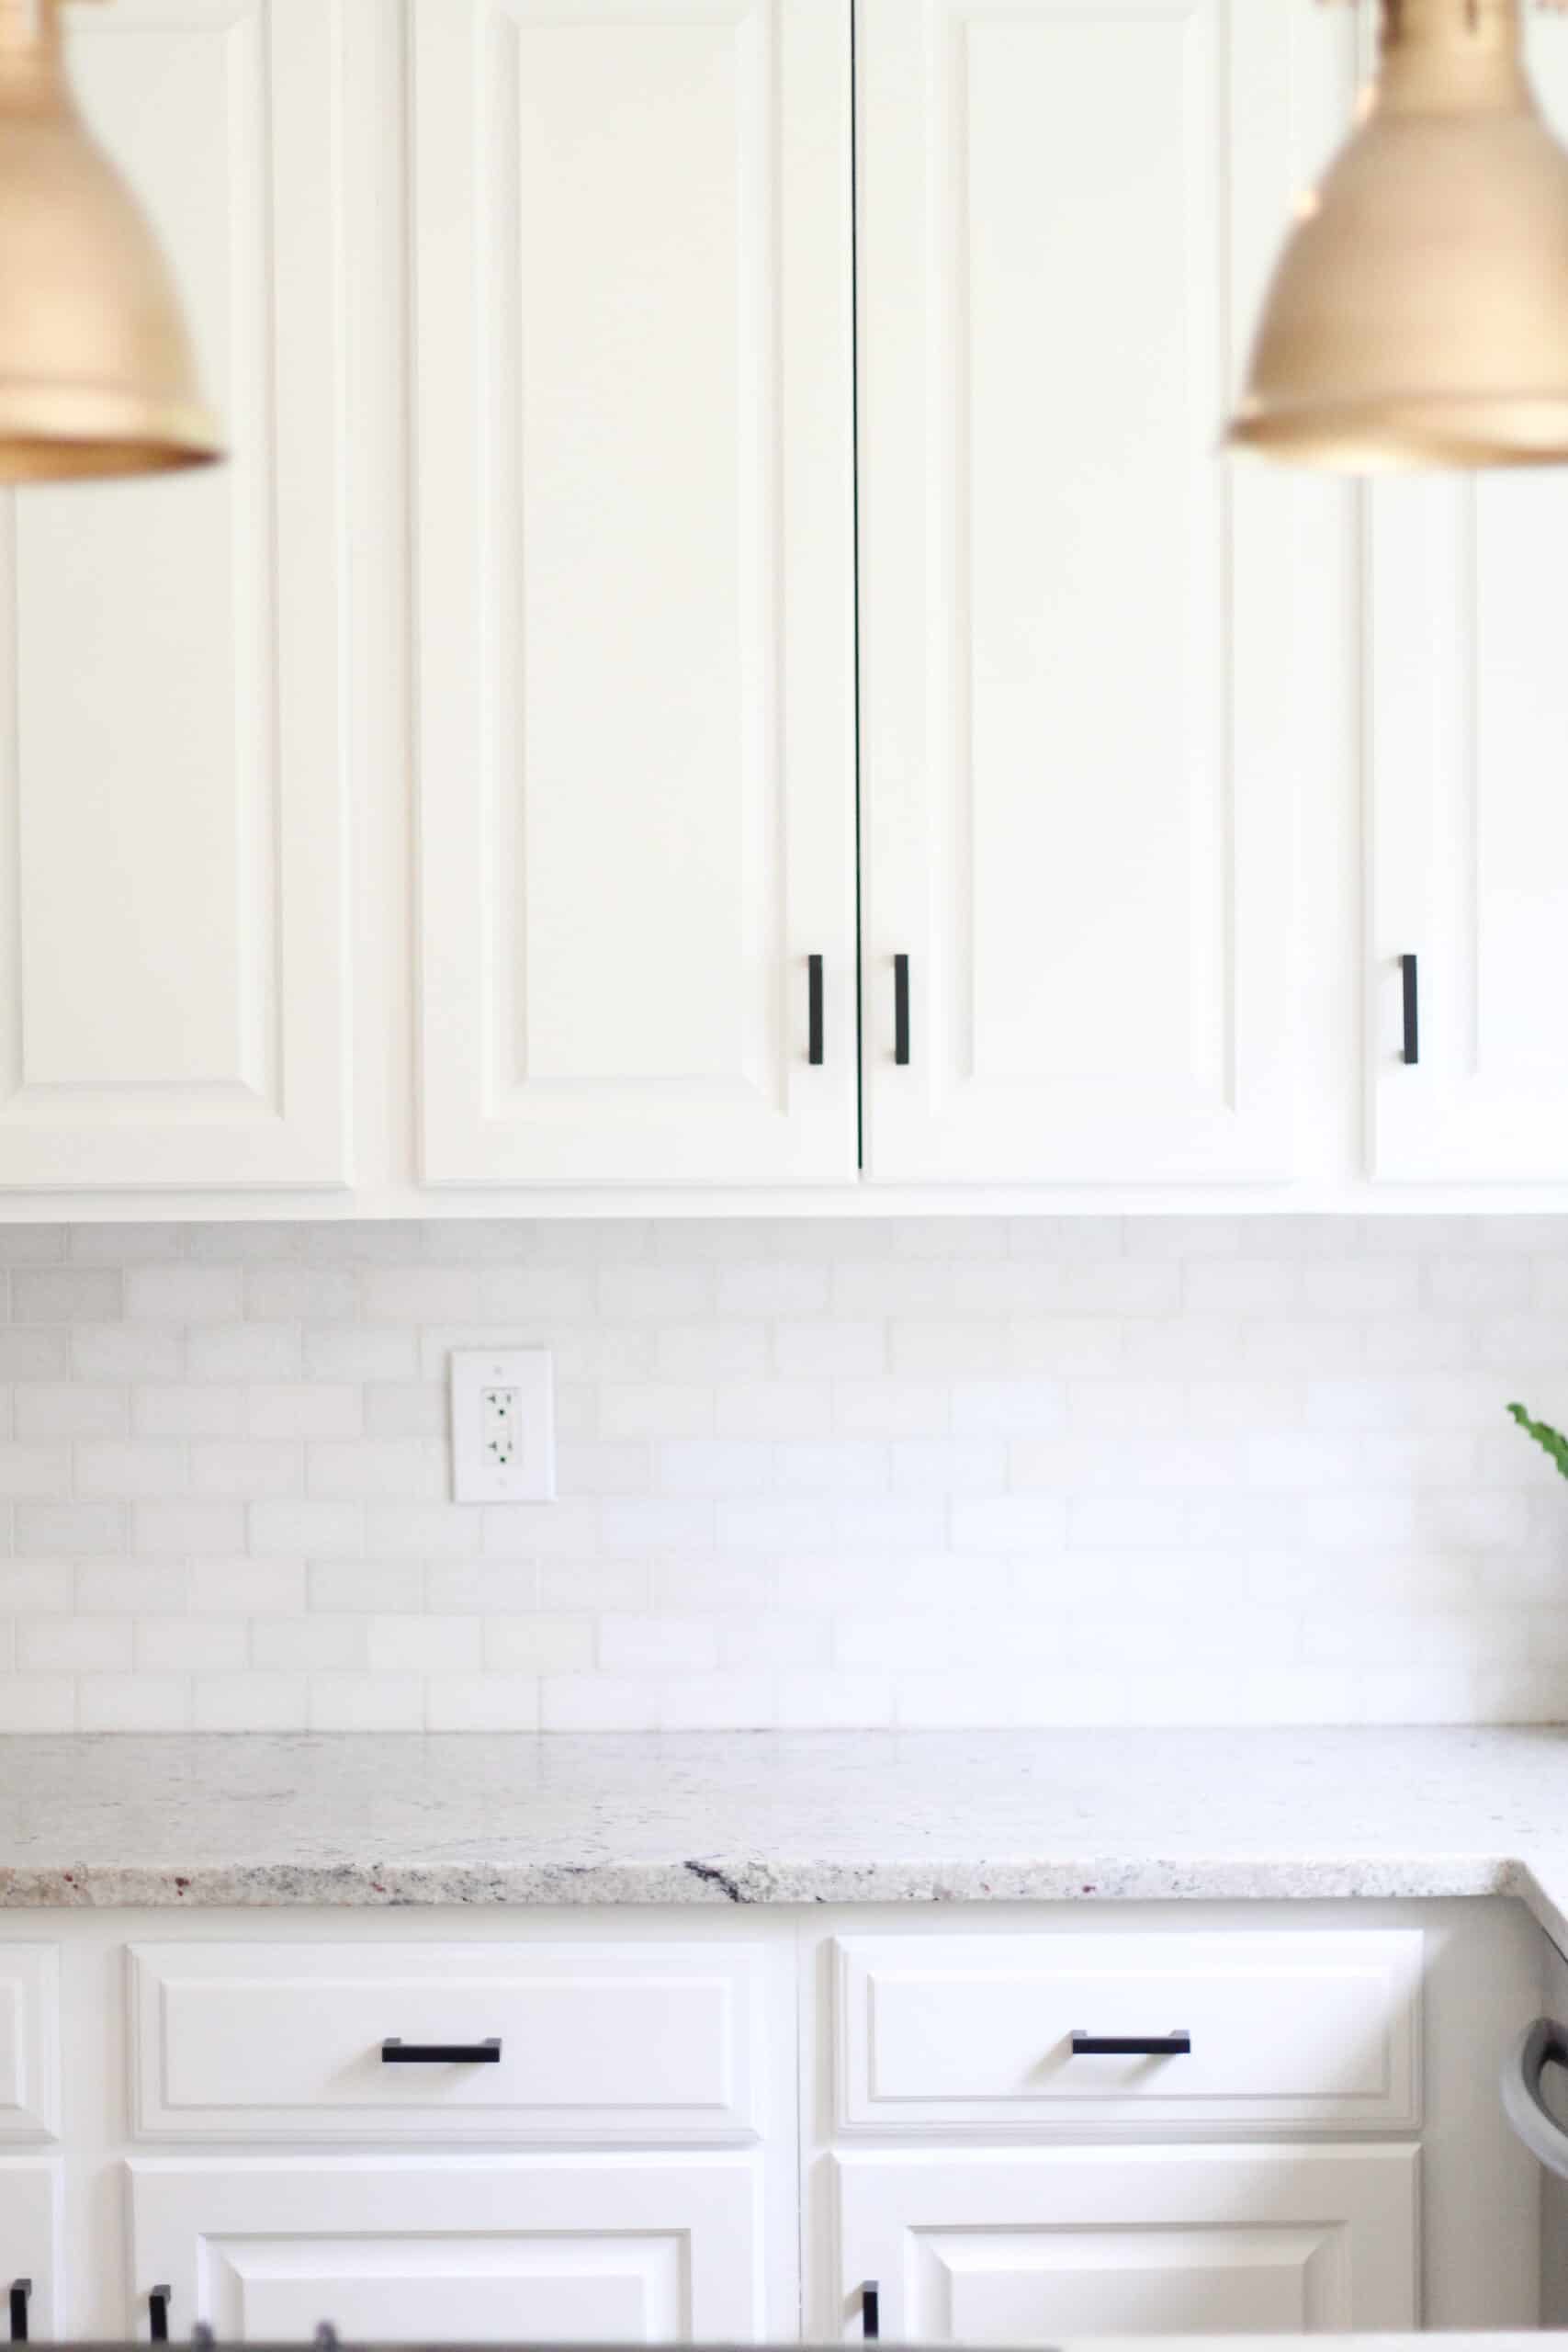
[{"x": 504, "y": 1434}]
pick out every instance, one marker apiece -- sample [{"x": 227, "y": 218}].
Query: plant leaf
[{"x": 1550, "y": 1442}]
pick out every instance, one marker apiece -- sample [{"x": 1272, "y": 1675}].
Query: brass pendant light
[
  {"x": 96, "y": 373},
  {"x": 1418, "y": 315}
]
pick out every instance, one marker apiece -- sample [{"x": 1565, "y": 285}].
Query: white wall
[{"x": 962, "y": 1472}]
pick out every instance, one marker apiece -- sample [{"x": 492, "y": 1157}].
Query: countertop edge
[{"x": 752, "y": 1881}]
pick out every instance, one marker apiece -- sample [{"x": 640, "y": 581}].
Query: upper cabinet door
[
  {"x": 1468, "y": 754},
  {"x": 1078, "y": 732},
  {"x": 634, "y": 490},
  {"x": 172, "y": 991}
]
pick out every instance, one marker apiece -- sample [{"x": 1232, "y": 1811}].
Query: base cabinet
[
  {"x": 715, "y": 2126},
  {"x": 573, "y": 2250},
  {"x": 1035, "y": 2246}
]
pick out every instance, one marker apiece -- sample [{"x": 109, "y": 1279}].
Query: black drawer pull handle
[
  {"x": 1411, "y": 991},
  {"x": 901, "y": 1010},
  {"x": 1132, "y": 2045},
  {"x": 814, "y": 1041},
  {"x": 22, "y": 2291},
  {"x": 398, "y": 2053},
  {"x": 158, "y": 2314},
  {"x": 871, "y": 2311}
]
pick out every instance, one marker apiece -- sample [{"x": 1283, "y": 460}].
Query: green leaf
[{"x": 1550, "y": 1442}]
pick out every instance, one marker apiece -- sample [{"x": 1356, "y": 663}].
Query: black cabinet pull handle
[
  {"x": 22, "y": 2291},
  {"x": 158, "y": 2314},
  {"x": 398, "y": 2053},
  {"x": 901, "y": 1010},
  {"x": 1132, "y": 2045},
  {"x": 813, "y": 1047},
  {"x": 871, "y": 2311},
  {"x": 1411, "y": 984}
]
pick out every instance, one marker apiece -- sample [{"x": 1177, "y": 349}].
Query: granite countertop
[{"x": 397, "y": 1818}]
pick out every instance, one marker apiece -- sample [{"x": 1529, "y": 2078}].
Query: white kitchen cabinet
[
  {"x": 632, "y": 313},
  {"x": 1468, "y": 774},
  {"x": 173, "y": 775},
  {"x": 541, "y": 330},
  {"x": 625, "y": 2178},
  {"x": 1076, "y": 624},
  {"x": 632, "y": 2042},
  {"x": 975, "y": 2034},
  {"x": 1035, "y": 2246},
  {"x": 593, "y": 2249},
  {"x": 1468, "y": 702}
]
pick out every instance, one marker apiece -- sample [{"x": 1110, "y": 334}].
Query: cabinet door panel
[
  {"x": 1468, "y": 709},
  {"x": 579, "y": 2250},
  {"x": 29, "y": 2238},
  {"x": 635, "y": 567},
  {"x": 1039, "y": 2247},
  {"x": 172, "y": 761},
  {"x": 1076, "y": 745}
]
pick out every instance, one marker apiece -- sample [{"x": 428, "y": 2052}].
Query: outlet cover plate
[{"x": 529, "y": 1475}]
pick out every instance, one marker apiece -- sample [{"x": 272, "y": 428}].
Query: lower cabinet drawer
[
  {"x": 640, "y": 2043},
  {"x": 1042, "y": 2245},
  {"x": 584, "y": 2249},
  {"x": 985, "y": 2034}
]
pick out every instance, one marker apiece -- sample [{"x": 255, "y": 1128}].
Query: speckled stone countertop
[{"x": 770, "y": 1818}]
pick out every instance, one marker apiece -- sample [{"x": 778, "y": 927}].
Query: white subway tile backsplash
[
  {"x": 67, "y": 1295},
  {"x": 192, "y": 1645},
  {"x": 538, "y": 1645},
  {"x": 76, "y": 1645},
  {"x": 183, "y": 1294},
  {"x": 33, "y": 1353},
  {"x": 201, "y": 1409},
  {"x": 35, "y": 1469},
  {"x": 381, "y": 1701},
  {"x": 69, "y": 1529},
  {"x": 29, "y": 1585},
  {"x": 245, "y": 1351},
  {"x": 349, "y": 1585},
  {"x": 247, "y": 1588},
  {"x": 133, "y": 1703},
  {"x": 48, "y": 1408},
  {"x": 285, "y": 1409},
  {"x": 481, "y": 1702},
  {"x": 421, "y": 1643},
  {"x": 811, "y": 1473},
  {"x": 298, "y": 1529},
  {"x": 314, "y": 1643},
  {"x": 249, "y": 1703},
  {"x": 246, "y": 1467},
  {"x": 37, "y": 1703}
]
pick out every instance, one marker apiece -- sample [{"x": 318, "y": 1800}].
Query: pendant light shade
[
  {"x": 96, "y": 373},
  {"x": 1418, "y": 315}
]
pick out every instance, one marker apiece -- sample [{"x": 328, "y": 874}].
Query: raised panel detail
[
  {"x": 636, "y": 573},
  {"x": 974, "y": 2033},
  {"x": 31, "y": 2237},
  {"x": 576, "y": 2250},
  {"x": 30, "y": 2041},
  {"x": 1047, "y": 2244},
  {"x": 640, "y": 2042},
  {"x": 171, "y": 763},
  {"x": 1077, "y": 761}
]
